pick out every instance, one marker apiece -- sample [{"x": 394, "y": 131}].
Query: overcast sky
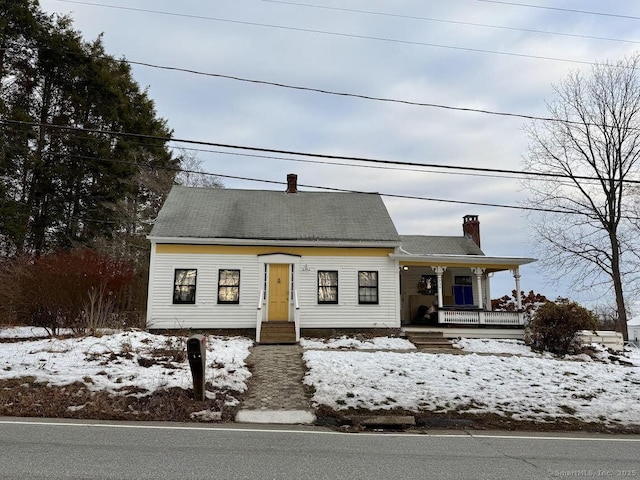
[{"x": 477, "y": 54}]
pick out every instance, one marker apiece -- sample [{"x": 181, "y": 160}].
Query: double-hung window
[
  {"x": 184, "y": 286},
  {"x": 228, "y": 286},
  {"x": 327, "y": 286},
  {"x": 367, "y": 287}
]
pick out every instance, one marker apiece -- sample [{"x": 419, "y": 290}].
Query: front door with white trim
[{"x": 278, "y": 296}]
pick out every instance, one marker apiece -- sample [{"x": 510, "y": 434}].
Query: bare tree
[
  {"x": 594, "y": 143},
  {"x": 191, "y": 173}
]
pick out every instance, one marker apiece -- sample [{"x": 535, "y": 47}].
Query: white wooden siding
[
  {"x": 348, "y": 313},
  {"x": 207, "y": 313}
]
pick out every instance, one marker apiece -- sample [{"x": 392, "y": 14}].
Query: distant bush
[
  {"x": 529, "y": 302},
  {"x": 79, "y": 289},
  {"x": 555, "y": 325}
]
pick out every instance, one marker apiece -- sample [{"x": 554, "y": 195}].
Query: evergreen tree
[{"x": 65, "y": 180}]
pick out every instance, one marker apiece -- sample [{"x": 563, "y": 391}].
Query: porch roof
[{"x": 491, "y": 264}]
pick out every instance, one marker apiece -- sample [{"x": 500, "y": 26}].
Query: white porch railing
[
  {"x": 296, "y": 314},
  {"x": 503, "y": 318},
  {"x": 471, "y": 317},
  {"x": 259, "y": 317}
]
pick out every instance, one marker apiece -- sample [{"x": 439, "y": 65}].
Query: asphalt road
[{"x": 39, "y": 449}]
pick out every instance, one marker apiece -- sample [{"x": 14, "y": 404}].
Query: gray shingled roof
[
  {"x": 426, "y": 245},
  {"x": 272, "y": 215}
]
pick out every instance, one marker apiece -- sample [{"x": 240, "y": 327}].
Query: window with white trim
[
  {"x": 368, "y": 287},
  {"x": 327, "y": 286},
  {"x": 184, "y": 286},
  {"x": 228, "y": 286}
]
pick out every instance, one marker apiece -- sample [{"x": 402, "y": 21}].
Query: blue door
[{"x": 463, "y": 294}]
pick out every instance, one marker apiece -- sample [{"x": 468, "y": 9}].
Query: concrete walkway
[{"x": 276, "y": 394}]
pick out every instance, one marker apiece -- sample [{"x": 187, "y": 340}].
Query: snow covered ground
[
  {"x": 376, "y": 343},
  {"x": 524, "y": 388},
  {"x": 481, "y": 345},
  {"x": 122, "y": 362},
  {"x": 500, "y": 377}
]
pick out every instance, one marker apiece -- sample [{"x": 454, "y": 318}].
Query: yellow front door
[{"x": 278, "y": 308}]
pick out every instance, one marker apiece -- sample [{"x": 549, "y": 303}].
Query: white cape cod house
[{"x": 278, "y": 262}]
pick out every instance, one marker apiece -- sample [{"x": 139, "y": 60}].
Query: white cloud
[{"x": 226, "y": 111}]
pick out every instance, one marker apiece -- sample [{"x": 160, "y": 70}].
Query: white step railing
[
  {"x": 259, "y": 317},
  {"x": 296, "y": 314}
]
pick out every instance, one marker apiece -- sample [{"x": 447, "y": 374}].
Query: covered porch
[{"x": 439, "y": 291}]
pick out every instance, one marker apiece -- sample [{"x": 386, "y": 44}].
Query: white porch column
[
  {"x": 478, "y": 272},
  {"x": 439, "y": 271},
  {"x": 516, "y": 275}
]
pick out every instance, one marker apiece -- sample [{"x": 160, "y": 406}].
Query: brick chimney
[
  {"x": 471, "y": 228},
  {"x": 292, "y": 183}
]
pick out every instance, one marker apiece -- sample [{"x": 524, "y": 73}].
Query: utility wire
[
  {"x": 450, "y": 22},
  {"x": 321, "y": 187},
  {"x": 392, "y": 195},
  {"x": 345, "y": 94},
  {"x": 351, "y": 95},
  {"x": 318, "y": 162},
  {"x": 334, "y": 189},
  {"x": 302, "y": 154},
  {"x": 338, "y": 34},
  {"x": 369, "y": 97},
  {"x": 570, "y": 10},
  {"x": 342, "y": 94},
  {"x": 342, "y": 164}
]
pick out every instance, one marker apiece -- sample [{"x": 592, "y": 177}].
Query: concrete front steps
[
  {"x": 430, "y": 341},
  {"x": 274, "y": 332},
  {"x": 451, "y": 331}
]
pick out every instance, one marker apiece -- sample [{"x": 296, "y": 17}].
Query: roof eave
[{"x": 269, "y": 242}]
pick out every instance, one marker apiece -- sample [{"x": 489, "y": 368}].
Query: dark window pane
[
  {"x": 230, "y": 277},
  {"x": 184, "y": 286},
  {"x": 228, "y": 295},
  {"x": 327, "y": 286},
  {"x": 229, "y": 286},
  {"x": 368, "y": 287}
]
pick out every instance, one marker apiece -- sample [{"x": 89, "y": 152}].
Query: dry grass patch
[{"x": 24, "y": 397}]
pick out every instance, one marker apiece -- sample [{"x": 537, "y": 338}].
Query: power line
[
  {"x": 366, "y": 97},
  {"x": 342, "y": 94},
  {"x": 338, "y": 34},
  {"x": 347, "y": 94},
  {"x": 570, "y": 10},
  {"x": 341, "y": 164},
  {"x": 334, "y": 189},
  {"x": 322, "y": 187},
  {"x": 451, "y": 22},
  {"x": 392, "y": 195},
  {"x": 319, "y": 162},
  {"x": 303, "y": 154}
]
